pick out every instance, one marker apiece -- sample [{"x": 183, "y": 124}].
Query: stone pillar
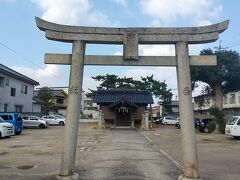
[
  {"x": 73, "y": 108},
  {"x": 146, "y": 120},
  {"x": 188, "y": 136},
  {"x": 100, "y": 119}
]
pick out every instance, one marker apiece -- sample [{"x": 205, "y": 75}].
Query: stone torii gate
[{"x": 131, "y": 38}]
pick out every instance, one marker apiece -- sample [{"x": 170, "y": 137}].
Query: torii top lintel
[{"x": 143, "y": 35}]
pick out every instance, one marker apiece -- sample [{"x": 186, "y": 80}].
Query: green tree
[
  {"x": 45, "y": 95},
  {"x": 221, "y": 78},
  {"x": 158, "y": 89}
]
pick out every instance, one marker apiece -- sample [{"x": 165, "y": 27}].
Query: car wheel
[
  {"x": 0, "y": 135},
  {"x": 17, "y": 133},
  {"x": 165, "y": 123},
  {"x": 236, "y": 137},
  {"x": 206, "y": 130},
  {"x": 61, "y": 123},
  {"x": 41, "y": 126}
]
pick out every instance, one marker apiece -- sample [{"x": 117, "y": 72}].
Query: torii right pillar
[{"x": 188, "y": 137}]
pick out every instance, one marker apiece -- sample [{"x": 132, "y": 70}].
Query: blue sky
[{"x": 22, "y": 44}]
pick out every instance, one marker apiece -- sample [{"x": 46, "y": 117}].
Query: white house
[
  {"x": 231, "y": 103},
  {"x": 16, "y": 91}
]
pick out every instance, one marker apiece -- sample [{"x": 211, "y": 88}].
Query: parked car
[
  {"x": 169, "y": 120},
  {"x": 52, "y": 120},
  {"x": 233, "y": 127},
  {"x": 6, "y": 129},
  {"x": 196, "y": 123},
  {"x": 158, "y": 121},
  {"x": 177, "y": 124},
  {"x": 202, "y": 126},
  {"x": 34, "y": 121},
  {"x": 15, "y": 119},
  {"x": 59, "y": 116}
]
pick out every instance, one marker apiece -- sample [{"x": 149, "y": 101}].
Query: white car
[
  {"x": 170, "y": 120},
  {"x": 233, "y": 127},
  {"x": 51, "y": 119},
  {"x": 6, "y": 129},
  {"x": 34, "y": 121},
  {"x": 59, "y": 116}
]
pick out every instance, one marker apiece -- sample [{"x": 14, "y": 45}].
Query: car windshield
[
  {"x": 1, "y": 120},
  {"x": 232, "y": 121}
]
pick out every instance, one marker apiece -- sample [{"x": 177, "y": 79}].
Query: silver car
[
  {"x": 34, "y": 121},
  {"x": 52, "y": 120}
]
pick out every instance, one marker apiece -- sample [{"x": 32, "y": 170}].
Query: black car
[
  {"x": 158, "y": 121},
  {"x": 202, "y": 126},
  {"x": 196, "y": 122}
]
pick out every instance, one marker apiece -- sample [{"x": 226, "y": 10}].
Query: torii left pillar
[{"x": 74, "y": 102}]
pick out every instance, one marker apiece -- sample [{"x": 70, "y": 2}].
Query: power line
[
  {"x": 18, "y": 54},
  {"x": 24, "y": 58},
  {"x": 220, "y": 47}
]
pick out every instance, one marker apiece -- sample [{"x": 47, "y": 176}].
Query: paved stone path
[{"x": 126, "y": 154}]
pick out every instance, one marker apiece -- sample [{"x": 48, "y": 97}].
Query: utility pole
[{"x": 220, "y": 47}]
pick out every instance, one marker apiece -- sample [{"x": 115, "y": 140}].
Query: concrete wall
[
  {"x": 230, "y": 100},
  {"x": 21, "y": 99},
  {"x": 36, "y": 108}
]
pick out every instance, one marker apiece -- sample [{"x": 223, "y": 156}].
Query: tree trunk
[
  {"x": 219, "y": 103},
  {"x": 219, "y": 96}
]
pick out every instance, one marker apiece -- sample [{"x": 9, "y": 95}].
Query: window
[
  {"x": 7, "y": 117},
  {"x": 5, "y": 107},
  {"x": 24, "y": 89},
  {"x": 225, "y": 99},
  {"x": 25, "y": 118},
  {"x": 33, "y": 118},
  {"x": 13, "y": 91},
  {"x": 2, "y": 81},
  {"x": 88, "y": 103},
  {"x": 60, "y": 100},
  {"x": 18, "y": 108},
  {"x": 7, "y": 82},
  {"x": 232, "y": 99}
]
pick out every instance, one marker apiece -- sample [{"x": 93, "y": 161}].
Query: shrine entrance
[
  {"x": 123, "y": 116},
  {"x": 181, "y": 37}
]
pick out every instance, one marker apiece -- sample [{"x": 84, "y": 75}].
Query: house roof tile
[{"x": 111, "y": 96}]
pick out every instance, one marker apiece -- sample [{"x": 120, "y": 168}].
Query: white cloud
[
  {"x": 167, "y": 11},
  {"x": 157, "y": 50},
  {"x": 89, "y": 83},
  {"x": 72, "y": 12},
  {"x": 49, "y": 76}
]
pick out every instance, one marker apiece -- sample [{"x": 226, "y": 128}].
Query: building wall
[
  {"x": 36, "y": 108},
  {"x": 231, "y": 102},
  {"x": 63, "y": 97},
  {"x": 107, "y": 112},
  {"x": 135, "y": 114},
  {"x": 20, "y": 98}
]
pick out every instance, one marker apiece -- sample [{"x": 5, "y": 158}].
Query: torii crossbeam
[{"x": 131, "y": 38}]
